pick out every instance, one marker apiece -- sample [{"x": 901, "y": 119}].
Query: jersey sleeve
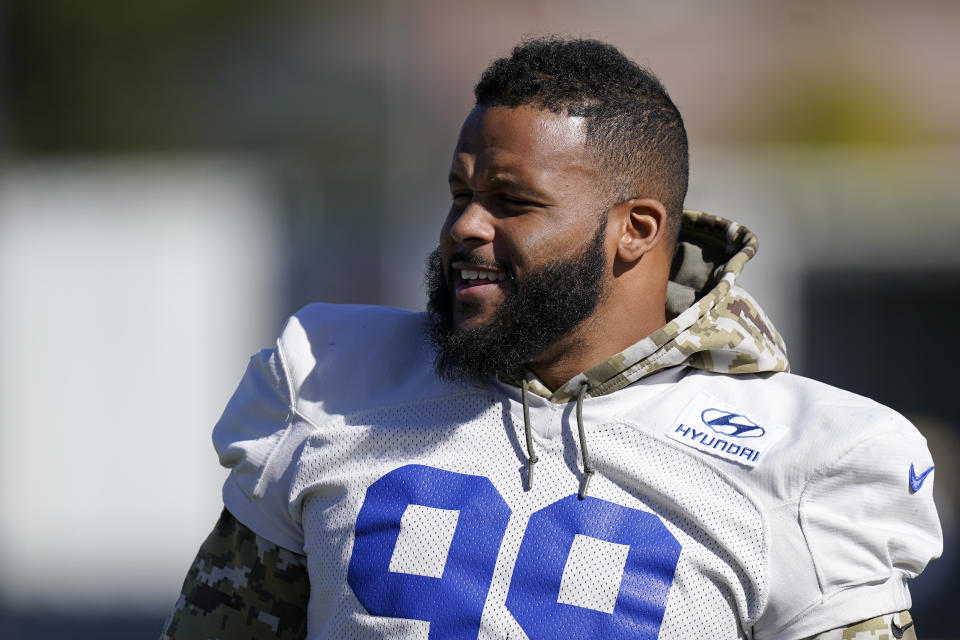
[
  {"x": 869, "y": 525},
  {"x": 256, "y": 440}
]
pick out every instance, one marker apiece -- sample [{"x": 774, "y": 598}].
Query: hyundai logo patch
[{"x": 712, "y": 426}]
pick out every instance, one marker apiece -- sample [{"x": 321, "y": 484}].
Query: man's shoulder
[
  {"x": 799, "y": 400},
  {"x": 355, "y": 357},
  {"x": 802, "y": 424}
]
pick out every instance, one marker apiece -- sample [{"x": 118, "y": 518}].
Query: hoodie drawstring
[
  {"x": 527, "y": 431},
  {"x": 532, "y": 458},
  {"x": 584, "y": 456}
]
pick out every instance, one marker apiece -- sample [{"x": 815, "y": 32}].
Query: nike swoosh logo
[
  {"x": 897, "y": 630},
  {"x": 917, "y": 481}
]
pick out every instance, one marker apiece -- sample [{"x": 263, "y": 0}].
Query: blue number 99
[{"x": 621, "y": 560}]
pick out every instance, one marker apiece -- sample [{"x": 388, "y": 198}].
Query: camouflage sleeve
[
  {"x": 241, "y": 586},
  {"x": 893, "y": 625}
]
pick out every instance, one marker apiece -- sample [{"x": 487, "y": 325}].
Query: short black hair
[{"x": 632, "y": 124}]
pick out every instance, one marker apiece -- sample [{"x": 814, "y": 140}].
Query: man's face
[
  {"x": 524, "y": 195},
  {"x": 521, "y": 259}
]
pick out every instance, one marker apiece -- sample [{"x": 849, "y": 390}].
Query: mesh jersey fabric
[{"x": 344, "y": 446}]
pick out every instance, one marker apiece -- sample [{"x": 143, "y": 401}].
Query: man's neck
[{"x": 595, "y": 341}]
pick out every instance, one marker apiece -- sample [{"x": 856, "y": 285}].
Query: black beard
[{"x": 545, "y": 306}]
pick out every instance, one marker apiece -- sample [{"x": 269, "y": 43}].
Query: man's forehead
[{"x": 513, "y": 140}]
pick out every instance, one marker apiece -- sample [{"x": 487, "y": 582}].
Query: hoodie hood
[{"x": 715, "y": 325}]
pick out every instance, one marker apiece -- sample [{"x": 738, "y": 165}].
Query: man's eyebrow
[
  {"x": 501, "y": 180},
  {"x": 504, "y": 180},
  {"x": 519, "y": 186}
]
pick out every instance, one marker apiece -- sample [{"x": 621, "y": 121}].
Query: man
[{"x": 590, "y": 434}]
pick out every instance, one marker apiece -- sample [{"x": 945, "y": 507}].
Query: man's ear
[{"x": 642, "y": 224}]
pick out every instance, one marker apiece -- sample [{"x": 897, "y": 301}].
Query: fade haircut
[{"x": 633, "y": 128}]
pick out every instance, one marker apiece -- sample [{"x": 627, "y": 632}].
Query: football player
[{"x": 591, "y": 433}]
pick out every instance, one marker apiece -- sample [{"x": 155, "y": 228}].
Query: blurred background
[{"x": 177, "y": 177}]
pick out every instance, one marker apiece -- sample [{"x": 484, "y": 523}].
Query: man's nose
[{"x": 473, "y": 226}]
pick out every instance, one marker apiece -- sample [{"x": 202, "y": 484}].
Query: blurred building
[{"x": 178, "y": 177}]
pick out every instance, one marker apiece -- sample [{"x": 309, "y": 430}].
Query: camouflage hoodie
[{"x": 715, "y": 325}]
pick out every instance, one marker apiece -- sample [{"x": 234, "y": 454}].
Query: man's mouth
[{"x": 472, "y": 282}]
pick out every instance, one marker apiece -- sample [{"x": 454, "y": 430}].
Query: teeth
[{"x": 467, "y": 274}]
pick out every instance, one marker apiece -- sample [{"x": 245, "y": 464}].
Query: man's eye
[{"x": 517, "y": 202}]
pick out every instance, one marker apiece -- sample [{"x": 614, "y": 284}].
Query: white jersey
[{"x": 723, "y": 506}]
